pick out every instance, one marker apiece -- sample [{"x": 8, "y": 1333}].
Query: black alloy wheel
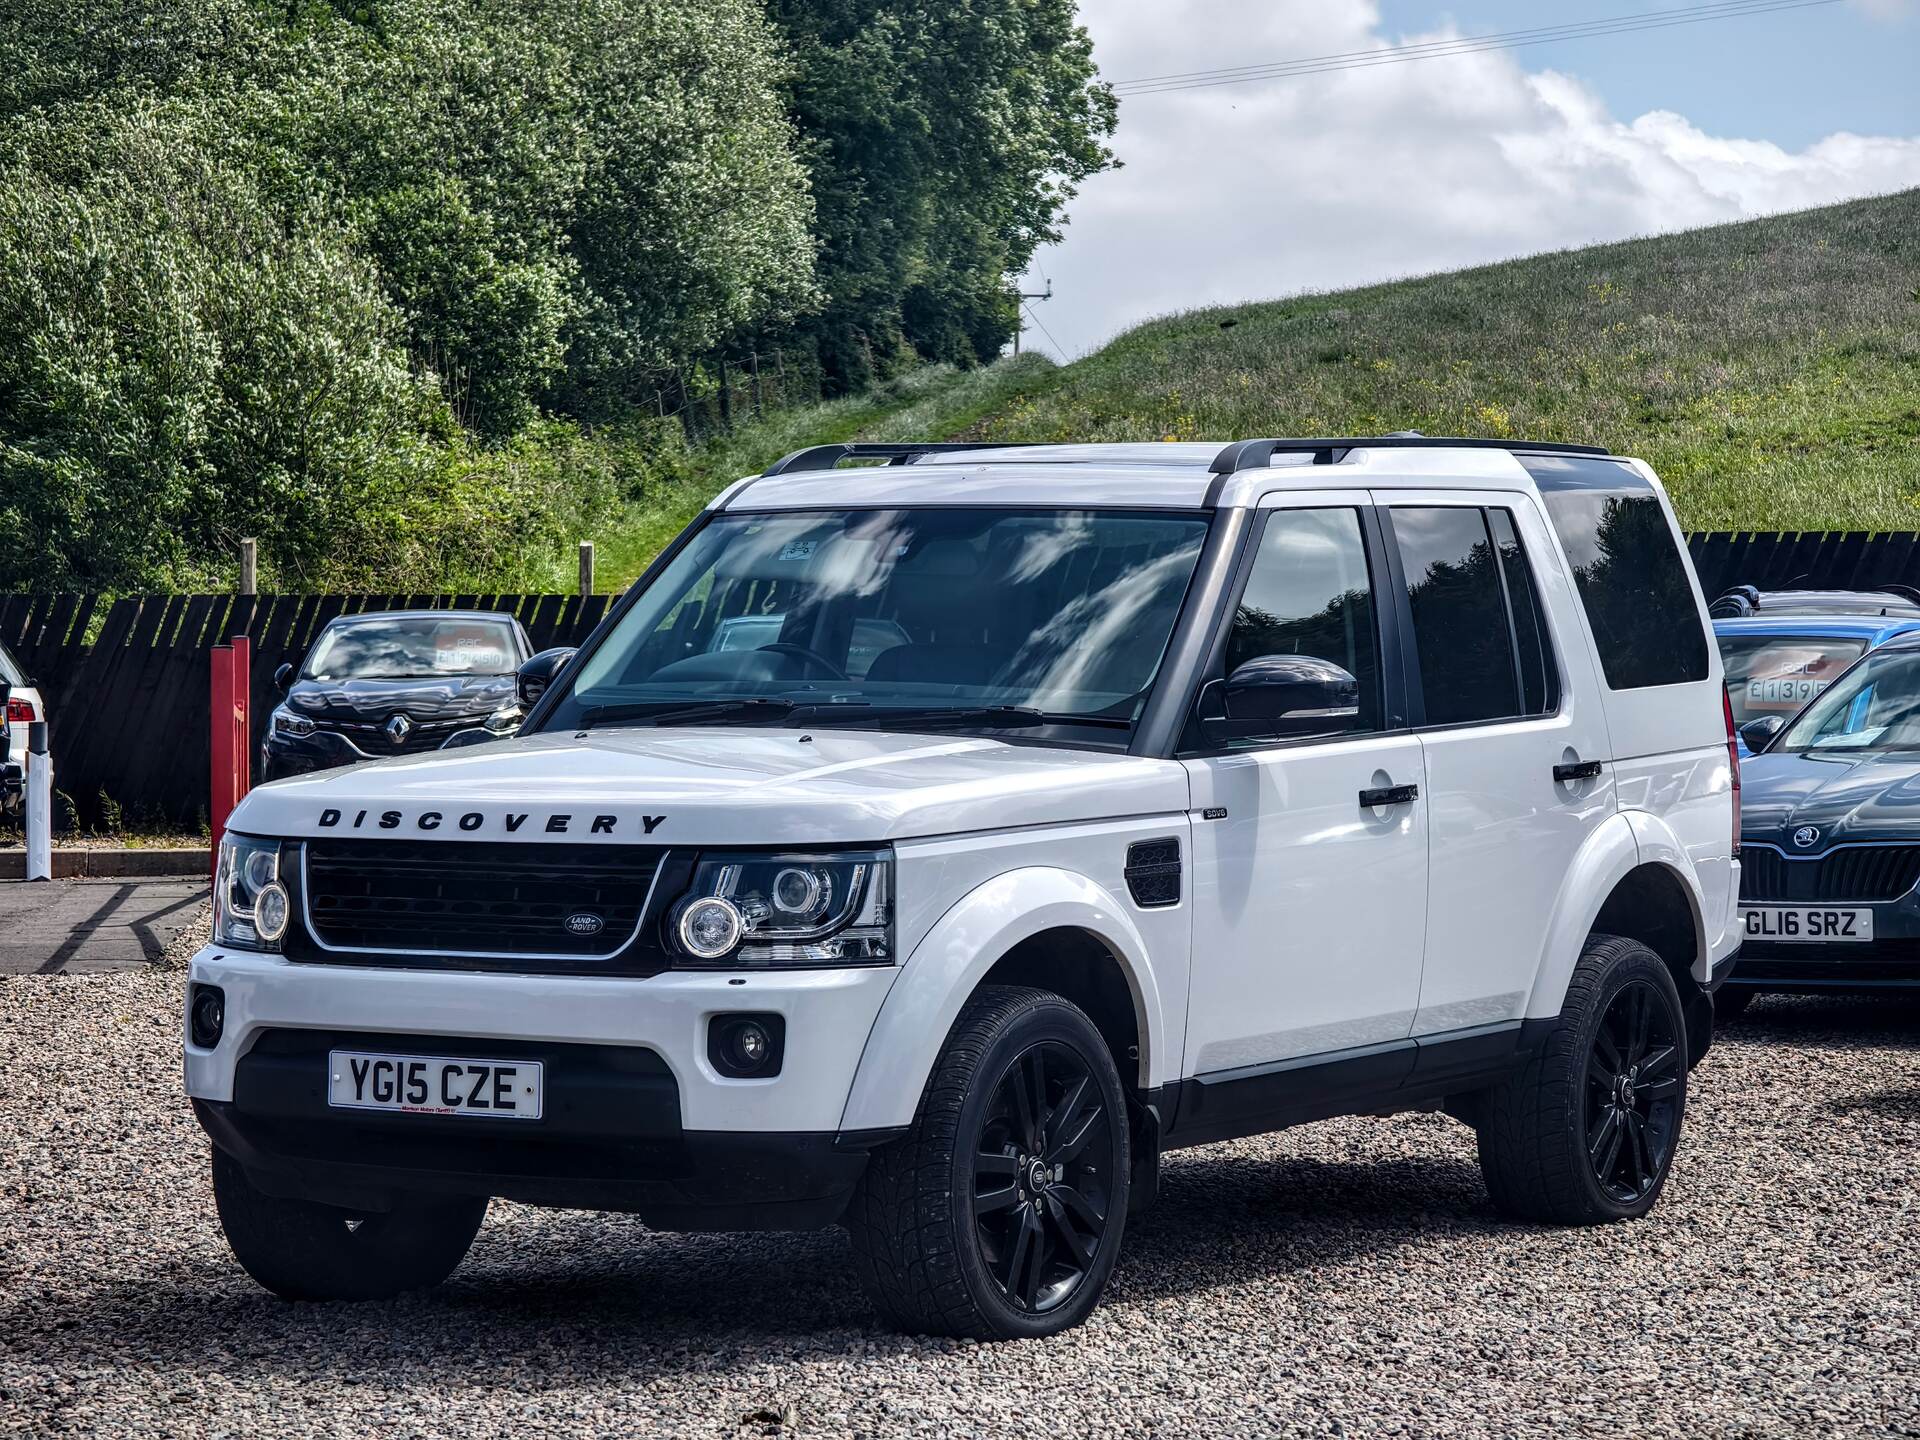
[
  {"x": 1633, "y": 1092},
  {"x": 1042, "y": 1177},
  {"x": 1000, "y": 1213}
]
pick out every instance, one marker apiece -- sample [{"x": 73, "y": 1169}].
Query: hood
[
  {"x": 1844, "y": 798},
  {"x": 450, "y": 697},
  {"x": 716, "y": 786}
]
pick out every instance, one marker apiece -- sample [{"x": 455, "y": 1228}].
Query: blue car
[{"x": 1781, "y": 649}]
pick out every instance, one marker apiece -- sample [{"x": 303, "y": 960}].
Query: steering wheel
[{"x": 830, "y": 671}]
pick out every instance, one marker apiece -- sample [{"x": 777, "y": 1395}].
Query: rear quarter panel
[{"x": 1670, "y": 763}]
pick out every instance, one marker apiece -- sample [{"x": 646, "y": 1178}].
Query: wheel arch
[
  {"x": 1632, "y": 878},
  {"x": 1039, "y": 926}
]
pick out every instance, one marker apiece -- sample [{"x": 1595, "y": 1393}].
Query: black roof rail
[
  {"x": 1257, "y": 454},
  {"x": 825, "y": 457}
]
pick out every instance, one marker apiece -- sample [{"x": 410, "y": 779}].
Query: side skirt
[{"x": 1411, "y": 1074}]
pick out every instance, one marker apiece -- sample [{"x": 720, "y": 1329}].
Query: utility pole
[{"x": 1019, "y": 322}]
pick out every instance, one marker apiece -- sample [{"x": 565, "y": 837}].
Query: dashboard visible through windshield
[
  {"x": 1874, "y": 707},
  {"x": 933, "y": 617}
]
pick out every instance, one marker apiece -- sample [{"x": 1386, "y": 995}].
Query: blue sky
[
  {"x": 1402, "y": 169},
  {"x": 1791, "y": 76}
]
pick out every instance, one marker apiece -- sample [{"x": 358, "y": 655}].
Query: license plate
[
  {"x": 434, "y": 1085},
  {"x": 1779, "y": 922}
]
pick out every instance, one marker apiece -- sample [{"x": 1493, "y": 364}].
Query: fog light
[
  {"x": 206, "y": 1015},
  {"x": 710, "y": 927},
  {"x": 270, "y": 912},
  {"x": 747, "y": 1047}
]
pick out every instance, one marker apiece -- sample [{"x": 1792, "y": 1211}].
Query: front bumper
[
  {"x": 1888, "y": 962},
  {"x": 638, "y": 1118}
]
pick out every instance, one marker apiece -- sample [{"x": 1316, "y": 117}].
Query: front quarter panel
[{"x": 955, "y": 953}]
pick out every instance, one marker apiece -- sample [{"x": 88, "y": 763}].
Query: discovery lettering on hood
[{"x": 555, "y": 822}]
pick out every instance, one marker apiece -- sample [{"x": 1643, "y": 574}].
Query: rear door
[{"x": 1514, "y": 738}]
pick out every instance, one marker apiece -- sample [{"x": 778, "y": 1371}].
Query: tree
[
  {"x": 179, "y": 364},
  {"x": 944, "y": 142}
]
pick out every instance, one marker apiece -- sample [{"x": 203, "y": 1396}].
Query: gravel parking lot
[{"x": 1341, "y": 1279}]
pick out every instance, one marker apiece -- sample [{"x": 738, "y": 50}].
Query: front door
[{"x": 1309, "y": 901}]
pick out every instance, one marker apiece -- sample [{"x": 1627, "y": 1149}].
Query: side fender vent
[{"x": 1153, "y": 872}]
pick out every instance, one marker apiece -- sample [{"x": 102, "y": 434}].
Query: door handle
[
  {"x": 1578, "y": 770},
  {"x": 1389, "y": 795}
]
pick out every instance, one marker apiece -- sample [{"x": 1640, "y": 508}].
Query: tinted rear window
[{"x": 1628, "y": 569}]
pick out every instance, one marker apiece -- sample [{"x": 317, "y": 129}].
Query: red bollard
[
  {"x": 242, "y": 717},
  {"x": 232, "y": 734}
]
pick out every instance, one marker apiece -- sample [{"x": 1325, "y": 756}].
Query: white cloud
[{"x": 1243, "y": 192}]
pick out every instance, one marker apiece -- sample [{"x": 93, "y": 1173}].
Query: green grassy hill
[{"x": 1769, "y": 370}]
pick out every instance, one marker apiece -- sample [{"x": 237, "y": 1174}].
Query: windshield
[
  {"x": 1874, "y": 706},
  {"x": 413, "y": 648},
  {"x": 1777, "y": 674},
  {"x": 970, "y": 618},
  {"x": 9, "y": 671}
]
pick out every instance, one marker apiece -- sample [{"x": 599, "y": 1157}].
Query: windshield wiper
[
  {"x": 681, "y": 712},
  {"x": 997, "y": 717}
]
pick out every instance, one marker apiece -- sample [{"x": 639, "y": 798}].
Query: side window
[
  {"x": 1628, "y": 569},
  {"x": 1539, "y": 674},
  {"x": 1460, "y": 628},
  {"x": 1310, "y": 594}
]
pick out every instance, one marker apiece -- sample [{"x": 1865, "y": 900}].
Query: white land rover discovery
[{"x": 1067, "y": 804}]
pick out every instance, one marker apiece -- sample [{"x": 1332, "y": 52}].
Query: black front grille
[
  {"x": 1851, "y": 873},
  {"x": 373, "y": 739},
  {"x": 473, "y": 898}
]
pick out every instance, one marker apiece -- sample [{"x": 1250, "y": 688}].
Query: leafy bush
[{"x": 180, "y": 365}]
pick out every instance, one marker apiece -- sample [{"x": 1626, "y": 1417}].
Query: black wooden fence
[
  {"x": 127, "y": 681},
  {"x": 1814, "y": 560},
  {"x": 129, "y": 705}
]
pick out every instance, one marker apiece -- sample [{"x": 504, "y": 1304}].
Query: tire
[
  {"x": 938, "y": 1220},
  {"x": 301, "y": 1250},
  {"x": 1584, "y": 1132},
  {"x": 1731, "y": 1002}
]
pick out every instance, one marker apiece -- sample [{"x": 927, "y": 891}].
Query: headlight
[
  {"x": 504, "y": 721},
  {"x": 285, "y": 722},
  {"x": 250, "y": 907},
  {"x": 786, "y": 911}
]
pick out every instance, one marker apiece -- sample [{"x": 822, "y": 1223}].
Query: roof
[
  {"x": 1743, "y": 600},
  {"x": 1875, "y": 629},
  {"x": 1165, "y": 476}
]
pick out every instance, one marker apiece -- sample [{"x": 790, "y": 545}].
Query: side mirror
[
  {"x": 537, "y": 675},
  {"x": 283, "y": 679},
  {"x": 1286, "y": 697},
  {"x": 1758, "y": 734}
]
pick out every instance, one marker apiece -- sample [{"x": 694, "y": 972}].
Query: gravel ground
[{"x": 1342, "y": 1279}]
